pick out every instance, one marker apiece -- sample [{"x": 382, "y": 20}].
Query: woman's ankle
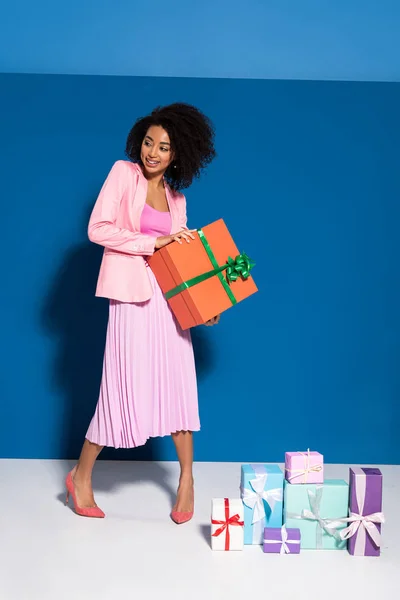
[
  {"x": 80, "y": 476},
  {"x": 186, "y": 478}
]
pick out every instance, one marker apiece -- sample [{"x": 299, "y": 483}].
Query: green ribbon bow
[
  {"x": 240, "y": 267},
  {"x": 235, "y": 268}
]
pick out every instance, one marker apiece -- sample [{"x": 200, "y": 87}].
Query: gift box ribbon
[
  {"x": 327, "y": 525},
  {"x": 307, "y": 469},
  {"x": 255, "y": 497},
  {"x": 229, "y": 521},
  {"x": 235, "y": 268},
  {"x": 360, "y": 524},
  {"x": 284, "y": 541}
]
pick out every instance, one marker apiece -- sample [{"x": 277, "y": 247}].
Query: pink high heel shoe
[
  {"x": 180, "y": 517},
  {"x": 93, "y": 511}
]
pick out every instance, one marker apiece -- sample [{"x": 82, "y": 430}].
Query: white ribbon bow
[
  {"x": 284, "y": 542},
  {"x": 254, "y": 498},
  {"x": 327, "y": 525},
  {"x": 367, "y": 522}
]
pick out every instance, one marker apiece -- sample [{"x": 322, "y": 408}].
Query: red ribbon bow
[{"x": 234, "y": 520}]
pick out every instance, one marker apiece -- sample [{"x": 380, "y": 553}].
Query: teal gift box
[
  {"x": 315, "y": 510},
  {"x": 262, "y": 495}
]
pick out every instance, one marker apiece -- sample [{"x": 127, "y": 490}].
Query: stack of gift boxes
[{"x": 301, "y": 510}]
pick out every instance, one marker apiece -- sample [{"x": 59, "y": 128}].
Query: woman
[{"x": 148, "y": 386}]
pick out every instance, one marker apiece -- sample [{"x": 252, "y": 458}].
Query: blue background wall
[{"x": 307, "y": 179}]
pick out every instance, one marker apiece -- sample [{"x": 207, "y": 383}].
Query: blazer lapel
[
  {"x": 139, "y": 199},
  {"x": 172, "y": 209}
]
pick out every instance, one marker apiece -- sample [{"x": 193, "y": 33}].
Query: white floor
[{"x": 48, "y": 552}]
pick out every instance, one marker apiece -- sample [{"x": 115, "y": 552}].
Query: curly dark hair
[{"x": 192, "y": 140}]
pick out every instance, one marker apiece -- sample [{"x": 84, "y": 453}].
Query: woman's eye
[
  {"x": 164, "y": 149},
  {"x": 147, "y": 143}
]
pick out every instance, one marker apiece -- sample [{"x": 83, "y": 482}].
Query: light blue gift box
[
  {"x": 314, "y": 508},
  {"x": 262, "y": 494}
]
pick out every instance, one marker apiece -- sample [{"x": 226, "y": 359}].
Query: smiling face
[{"x": 156, "y": 152}]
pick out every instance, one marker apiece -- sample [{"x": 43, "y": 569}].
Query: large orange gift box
[{"x": 204, "y": 278}]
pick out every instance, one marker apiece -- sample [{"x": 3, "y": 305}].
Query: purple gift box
[
  {"x": 365, "y": 518},
  {"x": 304, "y": 467},
  {"x": 279, "y": 540}
]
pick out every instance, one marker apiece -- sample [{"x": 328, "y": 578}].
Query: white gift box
[{"x": 227, "y": 524}]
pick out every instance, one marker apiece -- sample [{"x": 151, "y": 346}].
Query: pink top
[{"x": 154, "y": 222}]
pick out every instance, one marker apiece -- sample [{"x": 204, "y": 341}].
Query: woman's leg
[
  {"x": 183, "y": 441},
  {"x": 82, "y": 474}
]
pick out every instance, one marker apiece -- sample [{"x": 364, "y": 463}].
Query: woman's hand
[
  {"x": 164, "y": 240},
  {"x": 213, "y": 321}
]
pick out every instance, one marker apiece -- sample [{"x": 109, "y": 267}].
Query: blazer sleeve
[{"x": 102, "y": 229}]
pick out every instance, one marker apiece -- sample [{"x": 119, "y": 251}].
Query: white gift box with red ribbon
[{"x": 227, "y": 524}]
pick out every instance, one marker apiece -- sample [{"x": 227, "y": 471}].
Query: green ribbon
[{"x": 235, "y": 268}]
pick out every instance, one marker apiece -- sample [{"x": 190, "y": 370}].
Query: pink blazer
[{"x": 115, "y": 224}]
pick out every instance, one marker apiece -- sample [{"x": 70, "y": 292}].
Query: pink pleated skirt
[{"x": 148, "y": 387}]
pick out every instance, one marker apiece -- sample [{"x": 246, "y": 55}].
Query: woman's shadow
[{"x": 78, "y": 320}]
